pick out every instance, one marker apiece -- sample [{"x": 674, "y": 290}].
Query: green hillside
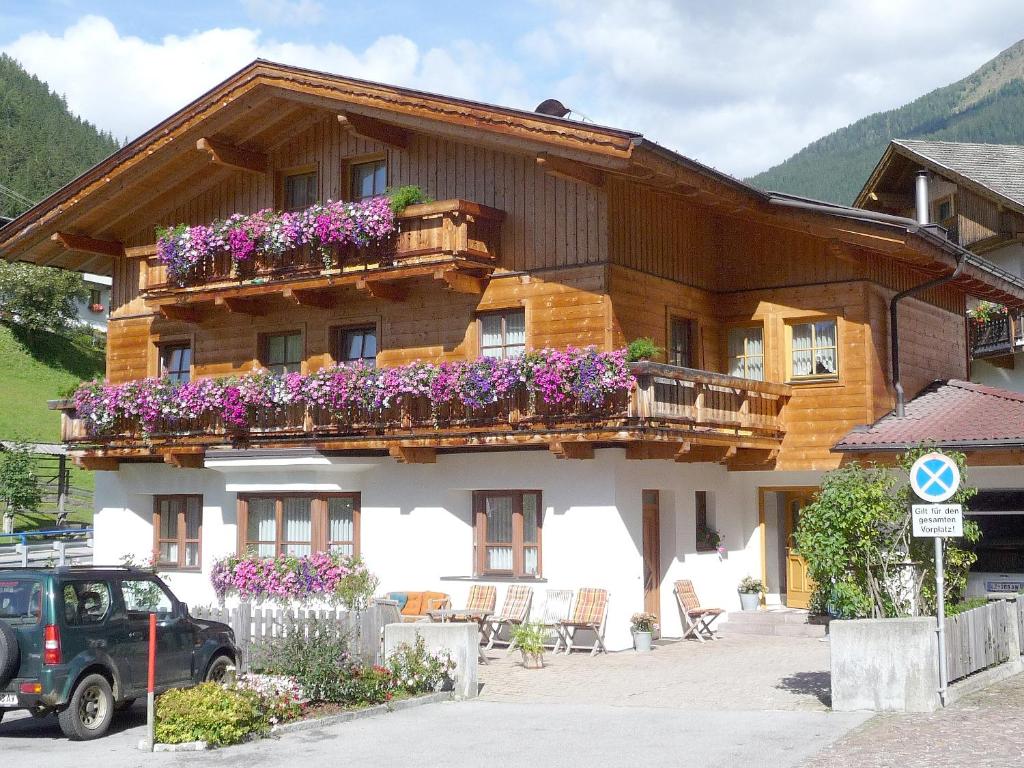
[
  {"x": 986, "y": 106},
  {"x": 42, "y": 145}
]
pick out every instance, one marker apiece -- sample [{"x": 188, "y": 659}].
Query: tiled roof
[
  {"x": 998, "y": 167},
  {"x": 948, "y": 413}
]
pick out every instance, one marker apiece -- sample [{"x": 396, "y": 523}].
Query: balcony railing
[
  {"x": 448, "y": 229},
  {"x": 999, "y": 335},
  {"x": 667, "y": 401}
]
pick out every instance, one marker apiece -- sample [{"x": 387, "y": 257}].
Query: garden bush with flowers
[
  {"x": 322, "y": 576},
  {"x": 584, "y": 381}
]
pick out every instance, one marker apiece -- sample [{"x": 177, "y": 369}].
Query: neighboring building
[
  {"x": 976, "y": 192},
  {"x": 94, "y": 309},
  {"x": 547, "y": 233}
]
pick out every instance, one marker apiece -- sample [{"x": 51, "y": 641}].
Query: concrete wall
[
  {"x": 884, "y": 665},
  {"x": 461, "y": 641},
  {"x": 983, "y": 372}
]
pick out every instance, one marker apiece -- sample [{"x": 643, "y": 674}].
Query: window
[
  {"x": 814, "y": 350},
  {"x": 746, "y": 353},
  {"x": 145, "y": 596},
  {"x": 176, "y": 362},
  {"x": 86, "y": 602},
  {"x": 178, "y": 526},
  {"x": 282, "y": 352},
  {"x": 707, "y": 537},
  {"x": 680, "y": 342},
  {"x": 503, "y": 334},
  {"x": 21, "y": 599},
  {"x": 943, "y": 209},
  {"x": 507, "y": 527},
  {"x": 298, "y": 524},
  {"x": 299, "y": 190},
  {"x": 352, "y": 344},
  {"x": 368, "y": 179}
]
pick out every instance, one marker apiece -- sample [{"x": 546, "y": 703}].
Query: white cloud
[
  {"x": 126, "y": 84},
  {"x": 289, "y": 12}
]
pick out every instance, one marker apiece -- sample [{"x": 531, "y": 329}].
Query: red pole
[{"x": 151, "y": 689}]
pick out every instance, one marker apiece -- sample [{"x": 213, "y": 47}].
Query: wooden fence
[
  {"x": 255, "y": 625},
  {"x": 982, "y": 637}
]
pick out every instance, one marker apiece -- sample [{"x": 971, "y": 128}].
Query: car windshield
[{"x": 20, "y": 599}]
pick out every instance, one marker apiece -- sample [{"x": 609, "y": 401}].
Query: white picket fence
[
  {"x": 983, "y": 637},
  {"x": 254, "y": 625}
]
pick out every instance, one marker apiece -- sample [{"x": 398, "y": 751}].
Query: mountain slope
[
  {"x": 986, "y": 106},
  {"x": 42, "y": 145}
]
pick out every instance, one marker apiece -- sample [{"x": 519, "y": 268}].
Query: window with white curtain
[
  {"x": 746, "y": 353},
  {"x": 508, "y": 533},
  {"x": 814, "y": 350},
  {"x": 177, "y": 526},
  {"x": 503, "y": 334},
  {"x": 299, "y": 524}
]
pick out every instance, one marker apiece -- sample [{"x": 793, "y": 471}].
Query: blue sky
[{"x": 740, "y": 85}]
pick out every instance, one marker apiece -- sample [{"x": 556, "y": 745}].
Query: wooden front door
[
  {"x": 798, "y": 584},
  {"x": 652, "y": 552}
]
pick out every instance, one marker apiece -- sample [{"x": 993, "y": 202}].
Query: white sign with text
[{"x": 945, "y": 520}]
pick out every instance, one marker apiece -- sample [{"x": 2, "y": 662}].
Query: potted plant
[
  {"x": 643, "y": 625},
  {"x": 750, "y": 590},
  {"x": 643, "y": 349},
  {"x": 529, "y": 639}
]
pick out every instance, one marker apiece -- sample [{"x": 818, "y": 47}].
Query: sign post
[
  {"x": 151, "y": 685},
  {"x": 935, "y": 478}
]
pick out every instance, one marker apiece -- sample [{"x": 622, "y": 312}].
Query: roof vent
[{"x": 552, "y": 107}]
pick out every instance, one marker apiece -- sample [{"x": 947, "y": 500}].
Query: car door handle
[{"x": 136, "y": 635}]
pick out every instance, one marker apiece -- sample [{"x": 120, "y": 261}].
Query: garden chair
[
  {"x": 697, "y": 620},
  {"x": 513, "y": 613},
  {"x": 589, "y": 614},
  {"x": 557, "y": 606}
]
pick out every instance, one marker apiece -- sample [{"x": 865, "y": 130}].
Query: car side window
[
  {"x": 143, "y": 597},
  {"x": 86, "y": 603}
]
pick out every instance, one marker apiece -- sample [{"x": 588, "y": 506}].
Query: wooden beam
[
  {"x": 572, "y": 450},
  {"x": 405, "y": 454},
  {"x": 98, "y": 463},
  {"x": 230, "y": 156},
  {"x": 378, "y": 130},
  {"x": 186, "y": 459},
  {"x": 381, "y": 290},
  {"x": 460, "y": 282},
  {"x": 308, "y": 298},
  {"x": 185, "y": 313},
  {"x": 87, "y": 244},
  {"x": 699, "y": 454},
  {"x": 570, "y": 169},
  {"x": 643, "y": 450},
  {"x": 254, "y": 307}
]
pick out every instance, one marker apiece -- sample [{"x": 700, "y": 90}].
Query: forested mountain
[
  {"x": 42, "y": 145},
  {"x": 986, "y": 106}
]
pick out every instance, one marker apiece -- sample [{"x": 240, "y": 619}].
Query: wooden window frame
[
  {"x": 823, "y": 378},
  {"x": 745, "y": 326},
  {"x": 263, "y": 347},
  {"x": 504, "y": 330},
  {"x": 180, "y": 539},
  {"x": 345, "y": 171},
  {"x": 298, "y": 170},
  {"x": 334, "y": 339},
  {"x": 319, "y": 520},
  {"x": 518, "y": 545},
  {"x": 161, "y": 350},
  {"x": 937, "y": 207}
]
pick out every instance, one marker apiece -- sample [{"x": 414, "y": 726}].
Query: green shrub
[
  {"x": 416, "y": 670},
  {"x": 402, "y": 197},
  {"x": 320, "y": 661},
  {"x": 965, "y": 605},
  {"x": 210, "y": 713},
  {"x": 643, "y": 349}
]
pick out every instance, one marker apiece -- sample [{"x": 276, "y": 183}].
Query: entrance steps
[{"x": 782, "y": 622}]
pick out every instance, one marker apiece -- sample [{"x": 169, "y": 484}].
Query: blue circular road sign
[{"x": 935, "y": 477}]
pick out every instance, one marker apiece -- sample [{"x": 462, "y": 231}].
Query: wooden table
[{"x": 447, "y": 615}]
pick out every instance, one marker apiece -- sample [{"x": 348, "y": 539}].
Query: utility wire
[{"x": 16, "y": 196}]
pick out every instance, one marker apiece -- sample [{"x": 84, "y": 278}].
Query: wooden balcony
[
  {"x": 678, "y": 413},
  {"x": 998, "y": 336},
  {"x": 441, "y": 239}
]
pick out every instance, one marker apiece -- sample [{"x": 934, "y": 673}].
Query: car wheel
[
  {"x": 90, "y": 710},
  {"x": 9, "y": 654},
  {"x": 219, "y": 669}
]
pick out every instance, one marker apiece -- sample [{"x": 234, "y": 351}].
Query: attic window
[
  {"x": 943, "y": 209},
  {"x": 300, "y": 189}
]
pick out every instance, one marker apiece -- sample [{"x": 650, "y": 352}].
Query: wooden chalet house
[{"x": 543, "y": 233}]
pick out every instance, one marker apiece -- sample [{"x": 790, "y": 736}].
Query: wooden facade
[{"x": 598, "y": 239}]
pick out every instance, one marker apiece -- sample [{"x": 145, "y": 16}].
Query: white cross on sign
[{"x": 935, "y": 477}]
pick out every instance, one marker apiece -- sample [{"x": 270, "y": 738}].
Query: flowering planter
[
  {"x": 750, "y": 601},
  {"x": 642, "y": 641}
]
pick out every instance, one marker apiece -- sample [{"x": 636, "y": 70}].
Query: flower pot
[
  {"x": 642, "y": 641},
  {"x": 750, "y": 601},
  {"x": 533, "y": 660}
]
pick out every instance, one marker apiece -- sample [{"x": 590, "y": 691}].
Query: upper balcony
[
  {"x": 652, "y": 410},
  {"x": 996, "y": 333},
  {"x": 453, "y": 241}
]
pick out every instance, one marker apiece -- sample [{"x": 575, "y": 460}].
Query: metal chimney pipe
[{"x": 921, "y": 196}]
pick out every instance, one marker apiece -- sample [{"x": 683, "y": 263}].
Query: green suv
[{"x": 75, "y": 641}]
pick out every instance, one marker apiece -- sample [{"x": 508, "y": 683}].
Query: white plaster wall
[
  {"x": 95, "y": 320},
  {"x": 416, "y": 526},
  {"x": 983, "y": 372}
]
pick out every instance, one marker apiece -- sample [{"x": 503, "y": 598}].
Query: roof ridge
[{"x": 986, "y": 389}]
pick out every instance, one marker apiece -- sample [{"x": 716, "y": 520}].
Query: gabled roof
[
  {"x": 995, "y": 171},
  {"x": 948, "y": 414}
]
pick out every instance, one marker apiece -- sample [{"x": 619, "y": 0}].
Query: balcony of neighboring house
[
  {"x": 454, "y": 242},
  {"x": 652, "y": 410},
  {"x": 994, "y": 331}
]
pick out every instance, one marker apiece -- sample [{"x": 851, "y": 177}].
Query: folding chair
[
  {"x": 557, "y": 607},
  {"x": 589, "y": 614},
  {"x": 697, "y": 620},
  {"x": 513, "y": 613}
]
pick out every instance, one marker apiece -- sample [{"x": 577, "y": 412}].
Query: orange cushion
[
  {"x": 432, "y": 600},
  {"x": 414, "y": 605}
]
